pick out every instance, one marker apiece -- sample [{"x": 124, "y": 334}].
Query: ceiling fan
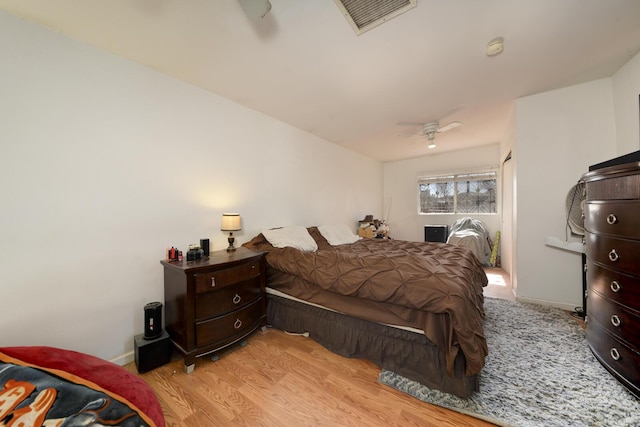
[{"x": 430, "y": 129}]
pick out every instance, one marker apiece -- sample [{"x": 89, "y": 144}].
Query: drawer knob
[
  {"x": 613, "y": 255},
  {"x": 236, "y": 299},
  {"x": 611, "y": 219},
  {"x": 615, "y": 320},
  {"x": 615, "y": 354},
  {"x": 237, "y": 324},
  {"x": 213, "y": 282},
  {"x": 615, "y": 286}
]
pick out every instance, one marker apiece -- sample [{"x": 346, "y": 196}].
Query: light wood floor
[
  {"x": 284, "y": 380},
  {"x": 499, "y": 284}
]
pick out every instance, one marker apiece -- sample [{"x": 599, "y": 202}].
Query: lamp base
[{"x": 231, "y": 239}]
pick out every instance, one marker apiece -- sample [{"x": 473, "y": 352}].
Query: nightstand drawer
[
  {"x": 618, "y": 287},
  {"x": 613, "y": 218},
  {"x": 620, "y": 254},
  {"x": 615, "y": 318},
  {"x": 227, "y": 299},
  {"x": 622, "y": 359},
  {"x": 208, "y": 282},
  {"x": 229, "y": 326}
]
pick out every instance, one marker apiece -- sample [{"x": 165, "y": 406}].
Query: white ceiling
[{"x": 303, "y": 64}]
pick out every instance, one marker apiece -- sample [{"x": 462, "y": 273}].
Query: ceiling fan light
[{"x": 432, "y": 144}]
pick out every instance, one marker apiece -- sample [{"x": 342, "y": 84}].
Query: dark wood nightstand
[{"x": 214, "y": 302}]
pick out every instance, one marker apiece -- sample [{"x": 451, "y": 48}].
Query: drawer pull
[
  {"x": 615, "y": 354},
  {"x": 613, "y": 255},
  {"x": 611, "y": 219},
  {"x": 238, "y": 324},
  {"x": 213, "y": 282},
  {"x": 237, "y": 299},
  {"x": 615, "y": 286},
  {"x": 615, "y": 320}
]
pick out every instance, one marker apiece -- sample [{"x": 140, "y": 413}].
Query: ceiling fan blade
[
  {"x": 409, "y": 123},
  {"x": 408, "y": 134},
  {"x": 449, "y": 126}
]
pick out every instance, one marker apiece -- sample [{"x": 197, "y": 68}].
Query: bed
[
  {"x": 414, "y": 308},
  {"x": 56, "y": 387}
]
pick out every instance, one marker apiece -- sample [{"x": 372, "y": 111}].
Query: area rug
[{"x": 539, "y": 372}]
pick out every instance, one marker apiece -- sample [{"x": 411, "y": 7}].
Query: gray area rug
[{"x": 539, "y": 372}]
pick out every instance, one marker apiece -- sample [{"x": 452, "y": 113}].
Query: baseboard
[
  {"x": 124, "y": 359},
  {"x": 556, "y": 304}
]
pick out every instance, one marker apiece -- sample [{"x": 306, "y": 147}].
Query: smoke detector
[{"x": 495, "y": 46}]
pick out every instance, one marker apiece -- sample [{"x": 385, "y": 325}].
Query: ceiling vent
[{"x": 364, "y": 15}]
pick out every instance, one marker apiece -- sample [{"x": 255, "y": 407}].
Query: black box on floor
[
  {"x": 436, "y": 233},
  {"x": 151, "y": 354}
]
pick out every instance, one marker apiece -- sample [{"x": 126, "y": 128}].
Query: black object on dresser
[
  {"x": 612, "y": 223},
  {"x": 214, "y": 302}
]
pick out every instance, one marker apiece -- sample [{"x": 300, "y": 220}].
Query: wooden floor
[
  {"x": 499, "y": 284},
  {"x": 284, "y": 380}
]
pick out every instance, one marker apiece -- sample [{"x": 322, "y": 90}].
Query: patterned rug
[{"x": 539, "y": 372}]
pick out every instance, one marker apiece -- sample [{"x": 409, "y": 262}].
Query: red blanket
[{"x": 62, "y": 387}]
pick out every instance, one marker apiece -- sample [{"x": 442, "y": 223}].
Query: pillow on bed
[
  {"x": 294, "y": 236},
  {"x": 338, "y": 234}
]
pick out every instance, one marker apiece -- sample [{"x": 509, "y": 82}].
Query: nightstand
[{"x": 214, "y": 302}]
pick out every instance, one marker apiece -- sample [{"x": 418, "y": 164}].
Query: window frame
[{"x": 491, "y": 172}]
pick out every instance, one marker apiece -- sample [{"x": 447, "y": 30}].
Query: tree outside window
[{"x": 468, "y": 193}]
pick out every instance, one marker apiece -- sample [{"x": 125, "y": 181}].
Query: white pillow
[
  {"x": 294, "y": 236},
  {"x": 338, "y": 234}
]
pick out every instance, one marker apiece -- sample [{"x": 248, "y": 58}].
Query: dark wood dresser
[
  {"x": 612, "y": 223},
  {"x": 213, "y": 302}
]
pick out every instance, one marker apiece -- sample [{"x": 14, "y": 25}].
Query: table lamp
[{"x": 230, "y": 223}]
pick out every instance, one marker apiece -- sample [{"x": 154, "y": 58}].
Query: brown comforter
[{"x": 435, "y": 287}]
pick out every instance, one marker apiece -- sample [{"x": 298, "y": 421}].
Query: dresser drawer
[
  {"x": 618, "y": 218},
  {"x": 614, "y": 355},
  {"x": 620, "y": 254},
  {"x": 615, "y": 318},
  {"x": 227, "y": 299},
  {"x": 618, "y": 185},
  {"x": 207, "y": 282},
  {"x": 230, "y": 326},
  {"x": 618, "y": 287}
]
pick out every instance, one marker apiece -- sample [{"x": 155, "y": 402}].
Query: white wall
[
  {"x": 626, "y": 94},
  {"x": 508, "y": 216},
  {"x": 105, "y": 163},
  {"x": 558, "y": 135},
  {"x": 401, "y": 189}
]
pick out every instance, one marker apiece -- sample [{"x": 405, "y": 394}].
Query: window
[{"x": 461, "y": 193}]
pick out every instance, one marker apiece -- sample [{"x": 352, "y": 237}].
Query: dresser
[
  {"x": 612, "y": 223},
  {"x": 213, "y": 302}
]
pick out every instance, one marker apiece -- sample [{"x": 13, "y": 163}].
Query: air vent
[{"x": 364, "y": 15}]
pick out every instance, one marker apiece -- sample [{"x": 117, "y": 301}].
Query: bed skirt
[{"x": 406, "y": 353}]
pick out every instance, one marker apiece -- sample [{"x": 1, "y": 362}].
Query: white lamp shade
[{"x": 230, "y": 222}]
